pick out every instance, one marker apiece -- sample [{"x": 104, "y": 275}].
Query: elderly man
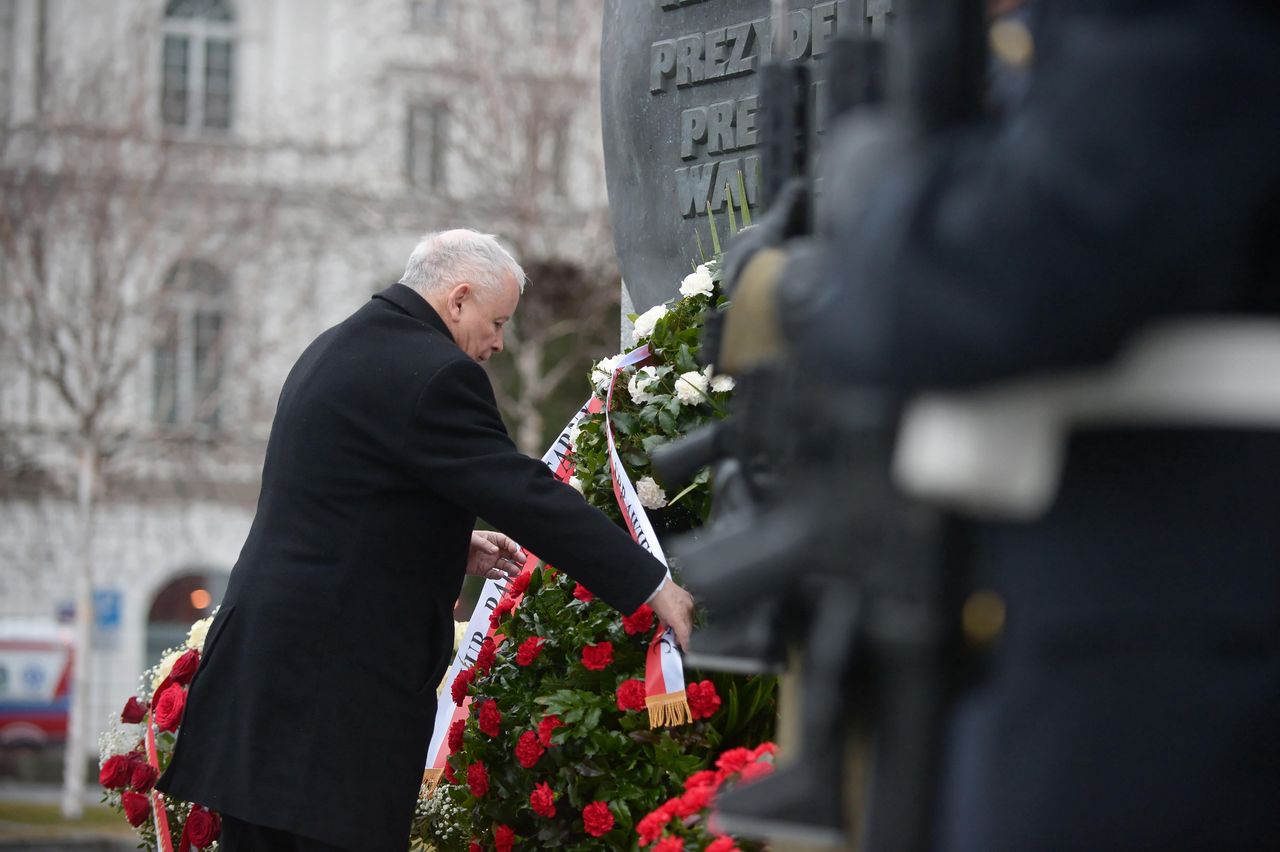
[{"x": 308, "y": 721}]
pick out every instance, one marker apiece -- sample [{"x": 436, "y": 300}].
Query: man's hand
[
  {"x": 674, "y": 607},
  {"x": 493, "y": 556}
]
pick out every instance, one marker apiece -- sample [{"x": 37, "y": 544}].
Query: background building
[{"x": 192, "y": 190}]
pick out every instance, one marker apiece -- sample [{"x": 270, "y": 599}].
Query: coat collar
[{"x": 408, "y": 300}]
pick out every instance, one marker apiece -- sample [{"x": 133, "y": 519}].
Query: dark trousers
[{"x": 240, "y": 836}]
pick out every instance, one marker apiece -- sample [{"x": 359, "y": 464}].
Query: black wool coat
[{"x": 313, "y": 706}]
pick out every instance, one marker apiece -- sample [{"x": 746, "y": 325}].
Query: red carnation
[
  {"x": 598, "y": 657},
  {"x": 702, "y": 778},
  {"x": 543, "y": 801},
  {"x": 133, "y": 712},
  {"x": 454, "y": 737},
  {"x": 529, "y": 650},
  {"x": 520, "y": 584},
  {"x": 723, "y": 844},
  {"x": 504, "y": 838},
  {"x": 475, "y": 847},
  {"x": 546, "y": 727},
  {"x": 639, "y": 621},
  {"x": 143, "y": 777},
  {"x": 733, "y": 761},
  {"x": 168, "y": 710},
  {"x": 490, "y": 720},
  {"x": 669, "y": 844},
  {"x": 630, "y": 694},
  {"x": 763, "y": 749},
  {"x": 693, "y": 801},
  {"x": 203, "y": 827},
  {"x": 502, "y": 610},
  {"x": 582, "y": 593},
  {"x": 752, "y": 771},
  {"x": 448, "y": 773},
  {"x": 136, "y": 808},
  {"x": 478, "y": 779},
  {"x": 651, "y": 827},
  {"x": 703, "y": 699},
  {"x": 597, "y": 819},
  {"x": 528, "y": 749},
  {"x": 184, "y": 668},
  {"x": 116, "y": 772},
  {"x": 486, "y": 655},
  {"x": 461, "y": 684}
]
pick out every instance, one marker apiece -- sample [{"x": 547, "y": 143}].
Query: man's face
[{"x": 478, "y": 317}]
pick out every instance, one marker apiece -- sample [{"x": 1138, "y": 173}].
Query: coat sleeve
[
  {"x": 1123, "y": 190},
  {"x": 461, "y": 450}
]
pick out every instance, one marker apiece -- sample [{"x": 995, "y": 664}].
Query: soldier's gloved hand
[{"x": 786, "y": 219}]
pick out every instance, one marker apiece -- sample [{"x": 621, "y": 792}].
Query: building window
[
  {"x": 426, "y": 146},
  {"x": 190, "y": 354},
  {"x": 197, "y": 67},
  {"x": 427, "y": 15}
]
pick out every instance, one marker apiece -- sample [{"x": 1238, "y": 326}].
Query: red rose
[
  {"x": 502, "y": 610},
  {"x": 651, "y": 827},
  {"x": 155, "y": 696},
  {"x": 116, "y": 772},
  {"x": 203, "y": 827},
  {"x": 143, "y": 777},
  {"x": 546, "y": 727},
  {"x": 723, "y": 844},
  {"x": 669, "y": 844},
  {"x": 582, "y": 593},
  {"x": 702, "y": 778},
  {"x": 598, "y": 657},
  {"x": 478, "y": 779},
  {"x": 448, "y": 773},
  {"x": 504, "y": 838},
  {"x": 136, "y": 808},
  {"x": 520, "y": 584},
  {"x": 733, "y": 761},
  {"x": 454, "y": 738},
  {"x": 529, "y": 650},
  {"x": 703, "y": 699},
  {"x": 184, "y": 668},
  {"x": 630, "y": 695},
  {"x": 597, "y": 819},
  {"x": 168, "y": 710},
  {"x": 461, "y": 684},
  {"x": 133, "y": 711},
  {"x": 639, "y": 621},
  {"x": 528, "y": 749},
  {"x": 693, "y": 801},
  {"x": 752, "y": 771},
  {"x": 490, "y": 720},
  {"x": 486, "y": 655},
  {"x": 543, "y": 801}
]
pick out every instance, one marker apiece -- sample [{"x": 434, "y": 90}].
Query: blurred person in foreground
[
  {"x": 308, "y": 720},
  {"x": 1133, "y": 700}
]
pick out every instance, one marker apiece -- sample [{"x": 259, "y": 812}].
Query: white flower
[
  {"x": 575, "y": 483},
  {"x": 647, "y": 320},
  {"x": 573, "y": 434},
  {"x": 719, "y": 384},
  {"x": 166, "y": 666},
  {"x": 696, "y": 283},
  {"x": 651, "y": 494},
  {"x": 199, "y": 630},
  {"x": 602, "y": 373},
  {"x": 691, "y": 387},
  {"x": 644, "y": 379}
]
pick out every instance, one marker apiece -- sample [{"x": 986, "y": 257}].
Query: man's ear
[{"x": 457, "y": 296}]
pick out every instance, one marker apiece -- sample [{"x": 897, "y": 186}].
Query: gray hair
[{"x": 444, "y": 259}]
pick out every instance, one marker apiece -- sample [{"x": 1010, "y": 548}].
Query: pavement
[{"x": 56, "y": 836}]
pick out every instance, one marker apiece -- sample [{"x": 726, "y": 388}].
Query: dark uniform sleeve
[
  {"x": 1128, "y": 187},
  {"x": 461, "y": 448}
]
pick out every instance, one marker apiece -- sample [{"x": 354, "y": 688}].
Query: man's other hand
[
  {"x": 494, "y": 556},
  {"x": 674, "y": 606}
]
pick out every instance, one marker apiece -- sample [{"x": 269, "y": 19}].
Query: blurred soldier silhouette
[{"x": 1132, "y": 700}]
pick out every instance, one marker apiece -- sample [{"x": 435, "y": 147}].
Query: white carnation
[
  {"x": 696, "y": 283},
  {"x": 719, "y": 384},
  {"x": 651, "y": 494},
  {"x": 576, "y": 483},
  {"x": 647, "y": 320},
  {"x": 602, "y": 373},
  {"x": 573, "y": 434},
  {"x": 641, "y": 382},
  {"x": 692, "y": 387},
  {"x": 199, "y": 630}
]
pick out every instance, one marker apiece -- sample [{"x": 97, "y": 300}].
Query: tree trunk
[{"x": 73, "y": 771}]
